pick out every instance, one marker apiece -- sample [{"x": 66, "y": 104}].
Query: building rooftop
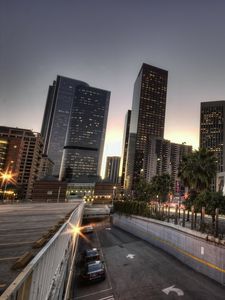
[{"x": 21, "y": 225}]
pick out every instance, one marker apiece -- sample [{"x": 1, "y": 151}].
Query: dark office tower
[
  {"x": 56, "y": 118},
  {"x": 82, "y": 155},
  {"x": 112, "y": 169},
  {"x": 212, "y": 130},
  {"x": 147, "y": 117},
  {"x": 125, "y": 147}
]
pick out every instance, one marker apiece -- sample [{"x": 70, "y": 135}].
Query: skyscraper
[
  {"x": 56, "y": 118},
  {"x": 147, "y": 117},
  {"x": 212, "y": 130},
  {"x": 82, "y": 154},
  {"x": 125, "y": 147},
  {"x": 112, "y": 169},
  {"x": 164, "y": 157}
]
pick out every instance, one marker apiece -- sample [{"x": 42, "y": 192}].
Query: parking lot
[{"x": 137, "y": 270}]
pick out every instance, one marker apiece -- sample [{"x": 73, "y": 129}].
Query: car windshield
[
  {"x": 92, "y": 253},
  {"x": 94, "y": 267}
]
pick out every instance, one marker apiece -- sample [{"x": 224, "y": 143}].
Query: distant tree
[
  {"x": 143, "y": 191},
  {"x": 161, "y": 185}
]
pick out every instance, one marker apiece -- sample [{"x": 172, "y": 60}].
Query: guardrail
[{"x": 46, "y": 276}]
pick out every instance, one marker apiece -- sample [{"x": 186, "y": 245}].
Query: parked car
[
  {"x": 88, "y": 229},
  {"x": 90, "y": 255},
  {"x": 93, "y": 271}
]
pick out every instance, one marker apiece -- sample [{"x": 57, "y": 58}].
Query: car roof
[
  {"x": 96, "y": 262},
  {"x": 93, "y": 250}
]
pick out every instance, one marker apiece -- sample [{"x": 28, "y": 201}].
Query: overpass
[{"x": 96, "y": 211}]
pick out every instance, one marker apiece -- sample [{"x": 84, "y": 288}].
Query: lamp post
[{"x": 114, "y": 195}]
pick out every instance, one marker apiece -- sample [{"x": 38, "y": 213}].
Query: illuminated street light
[{"x": 5, "y": 178}]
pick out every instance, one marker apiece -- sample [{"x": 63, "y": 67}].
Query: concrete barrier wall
[{"x": 188, "y": 246}]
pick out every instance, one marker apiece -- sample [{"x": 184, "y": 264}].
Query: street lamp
[{"x": 6, "y": 177}]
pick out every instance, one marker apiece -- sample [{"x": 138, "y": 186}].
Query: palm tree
[{"x": 197, "y": 170}]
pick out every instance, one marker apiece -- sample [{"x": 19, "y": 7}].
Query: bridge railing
[{"x": 46, "y": 276}]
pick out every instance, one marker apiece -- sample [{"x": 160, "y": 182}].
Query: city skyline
[{"x": 184, "y": 42}]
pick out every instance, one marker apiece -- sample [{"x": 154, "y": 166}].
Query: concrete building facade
[
  {"x": 164, "y": 157},
  {"x": 22, "y": 160}
]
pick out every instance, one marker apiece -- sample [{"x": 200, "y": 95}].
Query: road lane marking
[
  {"x": 110, "y": 284},
  {"x": 92, "y": 294},
  {"x": 173, "y": 289},
  {"x": 9, "y": 258},
  {"x": 131, "y": 256},
  {"x": 111, "y": 297},
  {"x": 18, "y": 243}
]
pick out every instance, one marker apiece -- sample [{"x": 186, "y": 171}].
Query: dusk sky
[{"x": 104, "y": 43}]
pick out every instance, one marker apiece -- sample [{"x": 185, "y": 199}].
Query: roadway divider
[
  {"x": 191, "y": 247},
  {"x": 46, "y": 275}
]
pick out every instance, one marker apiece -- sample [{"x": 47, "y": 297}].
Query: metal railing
[{"x": 46, "y": 276}]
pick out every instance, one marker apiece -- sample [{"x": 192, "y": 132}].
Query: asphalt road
[{"x": 137, "y": 270}]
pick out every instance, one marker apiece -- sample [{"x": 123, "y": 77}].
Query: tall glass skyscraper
[
  {"x": 82, "y": 154},
  {"x": 147, "y": 117},
  {"x": 56, "y": 118}
]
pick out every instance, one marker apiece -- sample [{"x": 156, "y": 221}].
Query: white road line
[
  {"x": 18, "y": 243},
  {"x": 92, "y": 294},
  {"x": 9, "y": 258},
  {"x": 111, "y": 297}
]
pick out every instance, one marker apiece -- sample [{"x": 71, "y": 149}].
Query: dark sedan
[
  {"x": 91, "y": 255},
  {"x": 93, "y": 271}
]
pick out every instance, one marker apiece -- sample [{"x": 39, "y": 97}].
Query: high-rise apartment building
[
  {"x": 164, "y": 157},
  {"x": 56, "y": 118},
  {"x": 212, "y": 130},
  {"x": 22, "y": 157},
  {"x": 125, "y": 147},
  {"x": 112, "y": 169},
  {"x": 147, "y": 117},
  {"x": 83, "y": 150},
  {"x": 178, "y": 151},
  {"x": 156, "y": 158}
]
